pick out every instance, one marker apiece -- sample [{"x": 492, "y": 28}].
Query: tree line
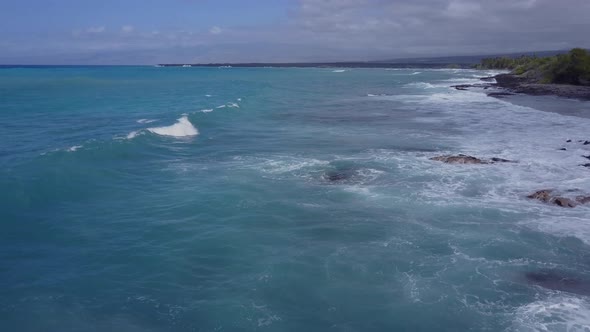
[{"x": 570, "y": 68}]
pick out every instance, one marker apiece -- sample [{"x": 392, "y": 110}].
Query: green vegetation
[{"x": 570, "y": 68}]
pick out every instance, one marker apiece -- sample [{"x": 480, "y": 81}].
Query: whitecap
[
  {"x": 416, "y": 73},
  {"x": 182, "y": 128},
  {"x": 208, "y": 96},
  {"x": 339, "y": 71},
  {"x": 221, "y": 106},
  {"x": 132, "y": 134},
  {"x": 146, "y": 120},
  {"x": 74, "y": 148},
  {"x": 557, "y": 313},
  {"x": 233, "y": 105},
  {"x": 206, "y": 110}
]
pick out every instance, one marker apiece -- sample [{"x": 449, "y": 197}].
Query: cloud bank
[{"x": 330, "y": 30}]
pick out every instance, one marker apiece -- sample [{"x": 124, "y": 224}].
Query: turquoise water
[{"x": 261, "y": 199}]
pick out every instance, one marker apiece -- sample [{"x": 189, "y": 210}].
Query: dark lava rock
[
  {"x": 500, "y": 94},
  {"x": 462, "y": 86},
  {"x": 542, "y": 195},
  {"x": 586, "y": 142},
  {"x": 587, "y": 157},
  {"x": 488, "y": 79},
  {"x": 501, "y": 160},
  {"x": 459, "y": 159},
  {"x": 568, "y": 141},
  {"x": 564, "y": 202},
  {"x": 563, "y": 149},
  {"x": 583, "y": 199},
  {"x": 585, "y": 165}
]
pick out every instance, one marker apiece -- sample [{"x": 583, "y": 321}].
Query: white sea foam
[
  {"x": 206, "y": 110},
  {"x": 339, "y": 70},
  {"x": 221, "y": 106},
  {"x": 233, "y": 105},
  {"x": 146, "y": 121},
  {"x": 422, "y": 85},
  {"x": 416, "y": 73},
  {"x": 74, "y": 148},
  {"x": 133, "y": 134},
  {"x": 207, "y": 96},
  {"x": 559, "y": 312},
  {"x": 239, "y": 99},
  {"x": 182, "y": 128}
]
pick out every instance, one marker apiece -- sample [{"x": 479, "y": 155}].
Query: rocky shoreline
[
  {"x": 567, "y": 199},
  {"x": 509, "y": 84}
]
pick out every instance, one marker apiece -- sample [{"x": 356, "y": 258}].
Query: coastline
[{"x": 519, "y": 84}]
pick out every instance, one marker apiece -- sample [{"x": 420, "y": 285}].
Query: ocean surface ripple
[{"x": 263, "y": 199}]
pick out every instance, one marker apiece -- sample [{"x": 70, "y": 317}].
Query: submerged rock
[
  {"x": 559, "y": 281},
  {"x": 337, "y": 176}
]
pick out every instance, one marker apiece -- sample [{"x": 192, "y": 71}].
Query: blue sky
[{"x": 155, "y": 31}]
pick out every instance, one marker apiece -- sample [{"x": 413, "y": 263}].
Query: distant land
[{"x": 463, "y": 61}]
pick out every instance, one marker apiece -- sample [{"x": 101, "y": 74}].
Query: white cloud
[
  {"x": 215, "y": 30},
  {"x": 127, "y": 28},
  {"x": 99, "y": 29}
]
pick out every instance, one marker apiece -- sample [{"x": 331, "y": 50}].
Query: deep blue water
[{"x": 261, "y": 199}]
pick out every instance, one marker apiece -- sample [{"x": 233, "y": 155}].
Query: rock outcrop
[
  {"x": 548, "y": 196},
  {"x": 465, "y": 159}
]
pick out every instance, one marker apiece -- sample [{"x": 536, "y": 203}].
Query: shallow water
[{"x": 209, "y": 199}]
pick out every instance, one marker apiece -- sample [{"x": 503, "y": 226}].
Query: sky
[{"x": 214, "y": 31}]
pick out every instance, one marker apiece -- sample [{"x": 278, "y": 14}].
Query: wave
[
  {"x": 182, "y": 128},
  {"x": 74, "y": 148},
  {"x": 416, "y": 73},
  {"x": 221, "y": 106},
  {"x": 206, "y": 110},
  {"x": 423, "y": 85},
  {"x": 132, "y": 134},
  {"x": 146, "y": 120},
  {"x": 557, "y": 313},
  {"x": 339, "y": 71}
]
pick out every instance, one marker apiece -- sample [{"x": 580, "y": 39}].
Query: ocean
[{"x": 286, "y": 199}]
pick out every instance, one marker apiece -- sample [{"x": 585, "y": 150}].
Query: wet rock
[
  {"x": 501, "y": 160},
  {"x": 488, "y": 79},
  {"x": 568, "y": 141},
  {"x": 583, "y": 199},
  {"x": 587, "y": 157},
  {"x": 500, "y": 94},
  {"x": 586, "y": 142},
  {"x": 459, "y": 159},
  {"x": 462, "y": 87},
  {"x": 585, "y": 165},
  {"x": 542, "y": 195},
  {"x": 563, "y": 149},
  {"x": 564, "y": 202}
]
